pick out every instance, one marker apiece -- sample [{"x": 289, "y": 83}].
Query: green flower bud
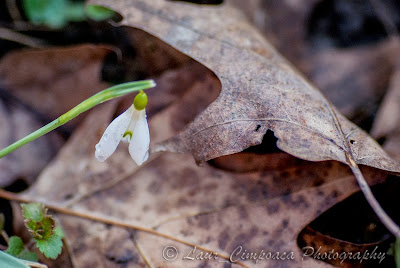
[{"x": 140, "y": 101}]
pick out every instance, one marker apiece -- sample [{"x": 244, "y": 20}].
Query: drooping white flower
[{"x": 131, "y": 127}]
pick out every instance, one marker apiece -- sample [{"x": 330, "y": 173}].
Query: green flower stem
[{"x": 102, "y": 96}]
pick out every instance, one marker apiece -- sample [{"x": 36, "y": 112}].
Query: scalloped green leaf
[
  {"x": 51, "y": 247},
  {"x": 33, "y": 211}
]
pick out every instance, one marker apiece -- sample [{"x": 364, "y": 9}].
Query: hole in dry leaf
[
  {"x": 381, "y": 140},
  {"x": 351, "y": 225},
  {"x": 268, "y": 144},
  {"x": 352, "y": 141},
  {"x": 265, "y": 156}
]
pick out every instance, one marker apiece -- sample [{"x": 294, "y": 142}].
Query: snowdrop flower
[{"x": 131, "y": 127}]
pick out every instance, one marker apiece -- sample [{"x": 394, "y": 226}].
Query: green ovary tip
[{"x": 128, "y": 133}]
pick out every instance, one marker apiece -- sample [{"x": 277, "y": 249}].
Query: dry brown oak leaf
[
  {"x": 260, "y": 89},
  {"x": 205, "y": 206}
]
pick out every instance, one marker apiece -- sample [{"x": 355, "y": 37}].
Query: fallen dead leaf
[{"x": 262, "y": 90}]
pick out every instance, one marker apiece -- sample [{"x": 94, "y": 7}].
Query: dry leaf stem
[
  {"x": 377, "y": 208},
  {"x": 107, "y": 220},
  {"x": 382, "y": 215}
]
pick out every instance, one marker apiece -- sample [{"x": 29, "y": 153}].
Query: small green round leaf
[
  {"x": 46, "y": 12},
  {"x": 15, "y": 246}
]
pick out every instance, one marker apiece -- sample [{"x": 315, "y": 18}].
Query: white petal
[
  {"x": 113, "y": 135},
  {"x": 139, "y": 145}
]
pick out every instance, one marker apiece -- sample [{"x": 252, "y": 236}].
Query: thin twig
[
  {"x": 133, "y": 239},
  {"x": 106, "y": 220}
]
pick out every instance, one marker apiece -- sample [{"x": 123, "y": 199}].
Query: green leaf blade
[{"x": 9, "y": 261}]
